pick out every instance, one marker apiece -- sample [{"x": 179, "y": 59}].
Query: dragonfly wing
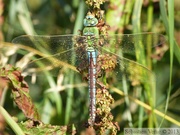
[
  {"x": 130, "y": 43},
  {"x": 50, "y": 52},
  {"x": 116, "y": 67},
  {"x": 124, "y": 52}
]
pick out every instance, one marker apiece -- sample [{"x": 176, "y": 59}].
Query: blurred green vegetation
[{"x": 62, "y": 17}]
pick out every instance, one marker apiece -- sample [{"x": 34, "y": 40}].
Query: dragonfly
[{"x": 112, "y": 56}]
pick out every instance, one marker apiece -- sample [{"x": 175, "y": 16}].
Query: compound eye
[
  {"x": 92, "y": 22},
  {"x": 89, "y": 17}
]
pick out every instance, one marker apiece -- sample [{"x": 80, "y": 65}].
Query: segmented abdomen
[{"x": 92, "y": 56}]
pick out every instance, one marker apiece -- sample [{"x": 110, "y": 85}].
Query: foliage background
[{"x": 60, "y": 17}]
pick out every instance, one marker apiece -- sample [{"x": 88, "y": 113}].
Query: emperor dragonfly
[{"x": 97, "y": 53}]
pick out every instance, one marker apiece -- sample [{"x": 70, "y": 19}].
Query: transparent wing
[
  {"x": 69, "y": 51},
  {"x": 50, "y": 52},
  {"x": 127, "y": 56}
]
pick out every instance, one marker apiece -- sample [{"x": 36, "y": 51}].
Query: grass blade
[{"x": 11, "y": 122}]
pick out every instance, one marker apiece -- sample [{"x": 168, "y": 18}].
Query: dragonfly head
[{"x": 90, "y": 20}]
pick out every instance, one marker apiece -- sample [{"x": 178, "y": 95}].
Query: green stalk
[
  {"x": 171, "y": 43},
  {"x": 136, "y": 29},
  {"x": 80, "y": 17},
  {"x": 69, "y": 102},
  {"x": 141, "y": 113},
  {"x": 117, "y": 26},
  {"x": 128, "y": 11},
  {"x": 140, "y": 55},
  {"x": 150, "y": 15},
  {"x": 169, "y": 26},
  {"x": 15, "y": 127},
  {"x": 115, "y": 22},
  {"x": 149, "y": 26}
]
